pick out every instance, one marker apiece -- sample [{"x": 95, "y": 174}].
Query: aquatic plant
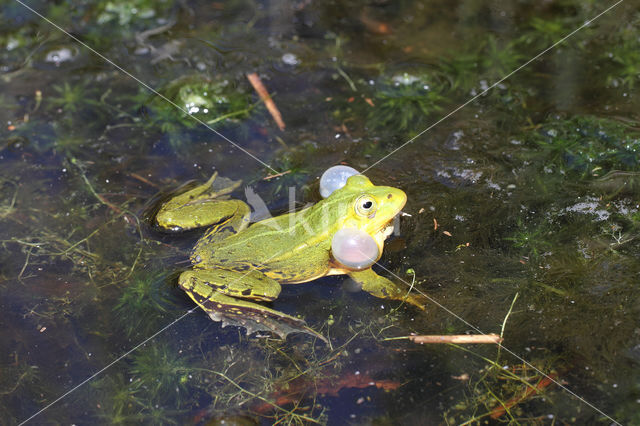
[
  {"x": 144, "y": 301},
  {"x": 130, "y": 395},
  {"x": 118, "y": 398},
  {"x": 498, "y": 58},
  {"x": 403, "y": 102},
  {"x": 71, "y": 98},
  {"x": 496, "y": 392},
  {"x": 21, "y": 382},
  {"x": 460, "y": 71},
  {"x": 207, "y": 98},
  {"x": 545, "y": 31},
  {"x": 124, "y": 12},
  {"x": 161, "y": 373},
  {"x": 625, "y": 56},
  {"x": 213, "y": 101},
  {"x": 589, "y": 146},
  {"x": 534, "y": 241},
  {"x": 77, "y": 102}
]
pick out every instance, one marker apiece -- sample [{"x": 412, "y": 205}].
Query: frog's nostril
[{"x": 389, "y": 196}]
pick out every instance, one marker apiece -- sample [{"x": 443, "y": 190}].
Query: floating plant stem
[
  {"x": 233, "y": 114},
  {"x": 504, "y": 323}
]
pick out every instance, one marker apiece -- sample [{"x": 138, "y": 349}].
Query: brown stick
[
  {"x": 266, "y": 98},
  {"x": 459, "y": 338},
  {"x": 276, "y": 175}
]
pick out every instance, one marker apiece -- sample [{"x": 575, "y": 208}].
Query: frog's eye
[{"x": 366, "y": 206}]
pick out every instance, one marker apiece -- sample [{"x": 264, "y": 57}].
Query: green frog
[{"x": 236, "y": 265}]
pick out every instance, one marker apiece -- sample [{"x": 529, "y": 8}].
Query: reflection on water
[{"x": 529, "y": 190}]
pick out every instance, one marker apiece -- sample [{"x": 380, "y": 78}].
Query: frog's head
[{"x": 370, "y": 208}]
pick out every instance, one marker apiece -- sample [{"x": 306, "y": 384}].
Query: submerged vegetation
[{"x": 530, "y": 189}]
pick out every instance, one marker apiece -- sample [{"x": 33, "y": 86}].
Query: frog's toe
[{"x": 417, "y": 300}]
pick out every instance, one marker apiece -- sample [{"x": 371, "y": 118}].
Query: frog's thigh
[
  {"x": 381, "y": 287},
  {"x": 251, "y": 284},
  {"x": 223, "y": 291}
]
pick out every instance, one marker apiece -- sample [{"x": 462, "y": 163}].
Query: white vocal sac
[
  {"x": 335, "y": 178},
  {"x": 354, "y": 248}
]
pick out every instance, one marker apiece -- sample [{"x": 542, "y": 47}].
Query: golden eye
[{"x": 365, "y": 205}]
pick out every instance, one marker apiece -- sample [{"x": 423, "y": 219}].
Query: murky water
[{"x": 524, "y": 208}]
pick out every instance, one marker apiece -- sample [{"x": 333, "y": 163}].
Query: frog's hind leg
[
  {"x": 223, "y": 293},
  {"x": 203, "y": 206}
]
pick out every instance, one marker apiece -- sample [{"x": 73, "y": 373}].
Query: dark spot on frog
[
  {"x": 385, "y": 292},
  {"x": 389, "y": 196},
  {"x": 246, "y": 292}
]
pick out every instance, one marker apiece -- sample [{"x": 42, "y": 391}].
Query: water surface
[{"x": 531, "y": 190}]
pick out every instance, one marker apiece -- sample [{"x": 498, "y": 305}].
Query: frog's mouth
[
  {"x": 389, "y": 211},
  {"x": 387, "y": 229}
]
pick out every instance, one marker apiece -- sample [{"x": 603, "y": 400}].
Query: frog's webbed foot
[
  {"x": 206, "y": 289},
  {"x": 262, "y": 320},
  {"x": 384, "y": 288}
]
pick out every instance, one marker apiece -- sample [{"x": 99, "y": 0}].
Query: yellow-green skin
[{"x": 234, "y": 264}]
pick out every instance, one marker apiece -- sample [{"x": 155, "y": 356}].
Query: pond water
[{"x": 522, "y": 189}]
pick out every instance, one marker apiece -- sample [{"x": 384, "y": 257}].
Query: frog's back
[{"x": 284, "y": 252}]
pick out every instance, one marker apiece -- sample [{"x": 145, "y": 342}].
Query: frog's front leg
[
  {"x": 384, "y": 288},
  {"x": 226, "y": 296},
  {"x": 202, "y": 206}
]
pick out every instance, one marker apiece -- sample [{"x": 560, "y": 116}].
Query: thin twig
[
  {"x": 266, "y": 98},
  {"x": 276, "y": 175},
  {"x": 457, "y": 338}
]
